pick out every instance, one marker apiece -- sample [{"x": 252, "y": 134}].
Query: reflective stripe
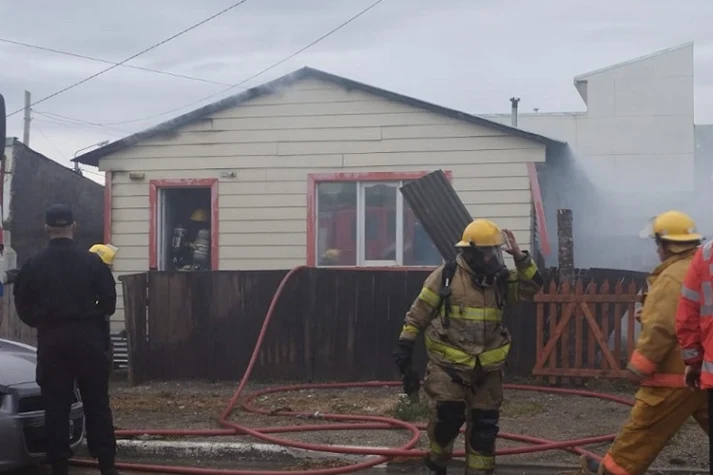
[
  {"x": 707, "y": 307},
  {"x": 410, "y": 329},
  {"x": 689, "y": 353},
  {"x": 707, "y": 367},
  {"x": 641, "y": 364},
  {"x": 690, "y": 294},
  {"x": 476, "y": 314},
  {"x": 429, "y": 296},
  {"x": 454, "y": 355},
  {"x": 528, "y": 272},
  {"x": 707, "y": 247},
  {"x": 710, "y": 269},
  {"x": 437, "y": 449},
  {"x": 613, "y": 467},
  {"x": 665, "y": 380},
  {"x": 479, "y": 462}
]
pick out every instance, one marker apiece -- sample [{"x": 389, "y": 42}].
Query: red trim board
[
  {"x": 314, "y": 178},
  {"x": 154, "y": 186},
  {"x": 539, "y": 210}
]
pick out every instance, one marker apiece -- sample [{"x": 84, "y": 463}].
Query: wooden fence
[
  {"x": 585, "y": 331},
  {"x": 328, "y": 325}
]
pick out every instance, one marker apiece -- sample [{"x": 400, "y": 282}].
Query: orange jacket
[
  {"x": 694, "y": 316},
  {"x": 657, "y": 357}
]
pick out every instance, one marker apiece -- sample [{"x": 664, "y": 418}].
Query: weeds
[{"x": 408, "y": 411}]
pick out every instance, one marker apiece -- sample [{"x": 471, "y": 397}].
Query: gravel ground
[{"x": 195, "y": 405}]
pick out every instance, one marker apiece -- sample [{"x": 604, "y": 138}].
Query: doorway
[{"x": 184, "y": 228}]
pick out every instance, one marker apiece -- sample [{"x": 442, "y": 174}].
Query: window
[
  {"x": 368, "y": 223},
  {"x": 183, "y": 232}
]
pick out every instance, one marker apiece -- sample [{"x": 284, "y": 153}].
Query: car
[{"x": 22, "y": 417}]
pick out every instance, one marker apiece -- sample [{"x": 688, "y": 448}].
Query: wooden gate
[{"x": 581, "y": 330}]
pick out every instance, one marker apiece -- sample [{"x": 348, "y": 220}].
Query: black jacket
[{"x": 64, "y": 283}]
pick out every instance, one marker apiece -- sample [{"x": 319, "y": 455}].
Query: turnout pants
[
  {"x": 656, "y": 417},
  {"x": 451, "y": 404},
  {"x": 76, "y": 352}
]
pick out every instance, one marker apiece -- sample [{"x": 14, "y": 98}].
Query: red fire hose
[{"x": 344, "y": 422}]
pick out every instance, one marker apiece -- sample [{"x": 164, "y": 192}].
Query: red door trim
[
  {"x": 154, "y": 186},
  {"x": 314, "y": 178}
]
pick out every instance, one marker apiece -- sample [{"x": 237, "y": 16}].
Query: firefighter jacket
[
  {"x": 475, "y": 334},
  {"x": 694, "y": 318},
  {"x": 657, "y": 356}
]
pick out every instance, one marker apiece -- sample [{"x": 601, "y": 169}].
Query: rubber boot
[
  {"x": 433, "y": 468},
  {"x": 108, "y": 467},
  {"x": 589, "y": 466}
]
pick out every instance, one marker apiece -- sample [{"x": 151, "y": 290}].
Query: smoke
[{"x": 612, "y": 199}]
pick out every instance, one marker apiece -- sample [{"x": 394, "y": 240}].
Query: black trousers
[{"x": 76, "y": 352}]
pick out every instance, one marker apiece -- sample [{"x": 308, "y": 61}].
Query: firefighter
[
  {"x": 460, "y": 309},
  {"x": 106, "y": 252},
  {"x": 66, "y": 293},
  {"x": 694, "y": 331},
  {"x": 663, "y": 403}
]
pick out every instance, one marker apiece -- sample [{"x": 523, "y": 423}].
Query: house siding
[{"x": 272, "y": 143}]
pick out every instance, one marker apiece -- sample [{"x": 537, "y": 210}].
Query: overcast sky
[{"x": 472, "y": 55}]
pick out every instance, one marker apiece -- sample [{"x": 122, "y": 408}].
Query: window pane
[
  {"x": 418, "y": 247},
  {"x": 336, "y": 224},
  {"x": 380, "y": 222}
]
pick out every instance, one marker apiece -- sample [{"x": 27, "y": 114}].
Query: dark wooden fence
[{"x": 328, "y": 325}]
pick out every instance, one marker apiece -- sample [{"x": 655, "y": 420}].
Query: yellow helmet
[
  {"x": 200, "y": 215},
  {"x": 481, "y": 233},
  {"x": 673, "y": 226},
  {"x": 107, "y": 252}
]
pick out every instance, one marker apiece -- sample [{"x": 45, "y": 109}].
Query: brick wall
[{"x": 38, "y": 182}]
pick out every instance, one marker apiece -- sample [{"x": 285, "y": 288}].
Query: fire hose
[{"x": 348, "y": 422}]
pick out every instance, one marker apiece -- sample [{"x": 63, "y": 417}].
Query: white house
[{"x": 310, "y": 163}]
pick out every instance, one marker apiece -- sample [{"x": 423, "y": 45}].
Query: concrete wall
[
  {"x": 273, "y": 142},
  {"x": 34, "y": 182}
]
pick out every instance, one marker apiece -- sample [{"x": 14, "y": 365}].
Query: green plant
[{"x": 408, "y": 411}]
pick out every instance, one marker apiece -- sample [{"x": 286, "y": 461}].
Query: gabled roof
[
  {"x": 92, "y": 157},
  {"x": 580, "y": 81}
]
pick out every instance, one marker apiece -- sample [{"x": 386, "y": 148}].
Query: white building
[{"x": 635, "y": 144}]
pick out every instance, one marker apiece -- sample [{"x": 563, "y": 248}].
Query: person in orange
[
  {"x": 663, "y": 403},
  {"x": 694, "y": 328}
]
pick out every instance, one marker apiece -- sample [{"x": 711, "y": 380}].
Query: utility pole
[{"x": 28, "y": 118}]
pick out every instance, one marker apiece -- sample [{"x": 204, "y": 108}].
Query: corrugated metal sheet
[{"x": 439, "y": 209}]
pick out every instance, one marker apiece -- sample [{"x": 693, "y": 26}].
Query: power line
[
  {"x": 75, "y": 125},
  {"x": 225, "y": 10},
  {"x": 100, "y": 60},
  {"x": 287, "y": 58},
  {"x": 50, "y": 142},
  {"x": 52, "y": 115}
]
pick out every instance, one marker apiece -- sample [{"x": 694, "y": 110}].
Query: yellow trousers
[{"x": 656, "y": 417}]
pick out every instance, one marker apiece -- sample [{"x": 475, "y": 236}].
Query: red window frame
[
  {"x": 155, "y": 185},
  {"x": 313, "y": 179}
]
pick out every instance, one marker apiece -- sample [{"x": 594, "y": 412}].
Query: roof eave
[{"x": 92, "y": 157}]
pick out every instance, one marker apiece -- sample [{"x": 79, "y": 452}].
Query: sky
[{"x": 465, "y": 54}]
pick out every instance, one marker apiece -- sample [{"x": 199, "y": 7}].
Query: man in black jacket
[{"x": 67, "y": 293}]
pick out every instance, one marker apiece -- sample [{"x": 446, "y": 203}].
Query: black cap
[{"x": 58, "y": 216}]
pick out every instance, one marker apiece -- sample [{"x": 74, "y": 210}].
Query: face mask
[{"x": 487, "y": 261}]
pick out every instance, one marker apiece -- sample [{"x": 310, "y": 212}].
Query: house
[
  {"x": 30, "y": 183},
  {"x": 632, "y": 148},
  {"x": 305, "y": 170}
]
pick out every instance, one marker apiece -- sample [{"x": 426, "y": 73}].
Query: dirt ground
[{"x": 196, "y": 405}]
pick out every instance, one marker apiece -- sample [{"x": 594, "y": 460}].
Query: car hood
[{"x": 17, "y": 363}]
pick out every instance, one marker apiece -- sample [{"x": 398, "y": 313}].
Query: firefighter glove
[
  {"x": 403, "y": 355},
  {"x": 412, "y": 383}
]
